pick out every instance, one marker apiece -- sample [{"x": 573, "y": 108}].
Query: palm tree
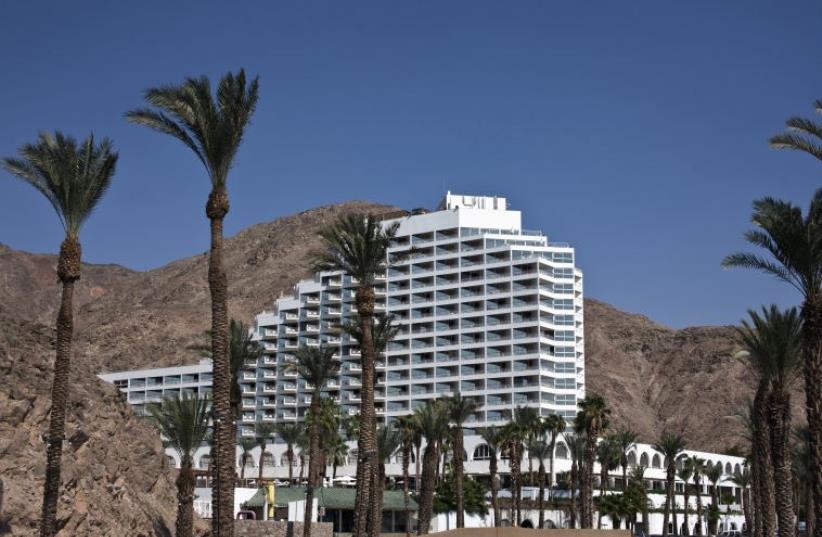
[
  {"x": 357, "y": 245},
  {"x": 246, "y": 445},
  {"x": 713, "y": 472},
  {"x": 290, "y": 433},
  {"x": 592, "y": 419},
  {"x": 802, "y": 135},
  {"x": 315, "y": 365},
  {"x": 183, "y": 424},
  {"x": 432, "y": 421},
  {"x": 212, "y": 127},
  {"x": 742, "y": 479},
  {"x": 801, "y": 458},
  {"x": 264, "y": 432},
  {"x": 460, "y": 409},
  {"x": 794, "y": 243},
  {"x": 671, "y": 445},
  {"x": 685, "y": 473},
  {"x": 636, "y": 486},
  {"x": 388, "y": 441},
  {"x": 697, "y": 466},
  {"x": 772, "y": 344},
  {"x": 625, "y": 439},
  {"x": 73, "y": 177},
  {"x": 608, "y": 457},
  {"x": 554, "y": 425},
  {"x": 336, "y": 452},
  {"x": 494, "y": 439},
  {"x": 541, "y": 450},
  {"x": 576, "y": 449},
  {"x": 407, "y": 429}
]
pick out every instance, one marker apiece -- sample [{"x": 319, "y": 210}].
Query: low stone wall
[{"x": 279, "y": 528}]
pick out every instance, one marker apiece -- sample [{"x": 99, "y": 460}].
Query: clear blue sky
[{"x": 635, "y": 130}]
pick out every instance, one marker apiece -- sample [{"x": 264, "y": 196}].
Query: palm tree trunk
[
  {"x": 541, "y": 501},
  {"x": 810, "y": 509},
  {"x": 746, "y": 509},
  {"x": 603, "y": 481},
  {"x": 699, "y": 523},
  {"x": 406, "y": 461},
  {"x": 426, "y": 500},
  {"x": 417, "y": 463},
  {"x": 185, "y": 500},
  {"x": 459, "y": 477},
  {"x": 260, "y": 474},
  {"x": 588, "y": 479},
  {"x": 492, "y": 469},
  {"x": 516, "y": 484},
  {"x": 551, "y": 466},
  {"x": 68, "y": 270},
  {"x": 812, "y": 369},
  {"x": 779, "y": 421},
  {"x": 673, "y": 509},
  {"x": 667, "y": 512},
  {"x": 376, "y": 511},
  {"x": 762, "y": 453},
  {"x": 313, "y": 461},
  {"x": 223, "y": 488},
  {"x": 289, "y": 455},
  {"x": 686, "y": 531},
  {"x": 573, "y": 487},
  {"x": 367, "y": 441},
  {"x": 624, "y": 477}
]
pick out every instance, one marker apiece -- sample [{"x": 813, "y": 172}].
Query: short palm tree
[
  {"x": 608, "y": 457},
  {"x": 432, "y": 421},
  {"x": 357, "y": 245},
  {"x": 772, "y": 343},
  {"x": 264, "y": 433},
  {"x": 315, "y": 365},
  {"x": 407, "y": 429},
  {"x": 460, "y": 409},
  {"x": 697, "y": 466},
  {"x": 802, "y": 135},
  {"x": 494, "y": 439},
  {"x": 742, "y": 480},
  {"x": 684, "y": 474},
  {"x": 73, "y": 177},
  {"x": 540, "y": 450},
  {"x": 671, "y": 446},
  {"x": 576, "y": 450},
  {"x": 794, "y": 245},
  {"x": 246, "y": 445},
  {"x": 625, "y": 439},
  {"x": 592, "y": 419},
  {"x": 212, "y": 126},
  {"x": 713, "y": 472},
  {"x": 388, "y": 441},
  {"x": 553, "y": 425},
  {"x": 290, "y": 434},
  {"x": 183, "y": 424},
  {"x": 336, "y": 453}
]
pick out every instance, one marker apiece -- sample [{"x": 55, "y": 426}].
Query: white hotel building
[{"x": 485, "y": 308}]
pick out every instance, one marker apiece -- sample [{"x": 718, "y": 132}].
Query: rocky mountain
[{"x": 654, "y": 377}]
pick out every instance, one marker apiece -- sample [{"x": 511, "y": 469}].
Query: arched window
[
  {"x": 268, "y": 459},
  {"x": 643, "y": 460},
  {"x": 632, "y": 459},
  {"x": 561, "y": 451},
  {"x": 728, "y": 469},
  {"x": 680, "y": 462},
  {"x": 171, "y": 462},
  {"x": 205, "y": 462},
  {"x": 656, "y": 462},
  {"x": 482, "y": 452},
  {"x": 737, "y": 469}
]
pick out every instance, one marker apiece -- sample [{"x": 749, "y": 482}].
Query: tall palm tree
[
  {"x": 697, "y": 466},
  {"x": 713, "y": 472},
  {"x": 742, "y": 479},
  {"x": 316, "y": 366},
  {"x": 246, "y": 445},
  {"x": 357, "y": 245},
  {"x": 671, "y": 446},
  {"x": 388, "y": 441},
  {"x": 684, "y": 474},
  {"x": 525, "y": 423},
  {"x": 460, "y": 409},
  {"x": 264, "y": 432},
  {"x": 802, "y": 135},
  {"x": 540, "y": 450},
  {"x": 494, "y": 439},
  {"x": 625, "y": 439},
  {"x": 407, "y": 429},
  {"x": 290, "y": 433},
  {"x": 212, "y": 126},
  {"x": 592, "y": 418},
  {"x": 801, "y": 458},
  {"x": 183, "y": 424},
  {"x": 73, "y": 177},
  {"x": 432, "y": 420},
  {"x": 772, "y": 344},
  {"x": 553, "y": 425},
  {"x": 794, "y": 243}
]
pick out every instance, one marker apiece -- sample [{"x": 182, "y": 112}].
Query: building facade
[{"x": 484, "y": 308}]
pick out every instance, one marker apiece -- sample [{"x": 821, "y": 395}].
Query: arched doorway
[{"x": 527, "y": 524}]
